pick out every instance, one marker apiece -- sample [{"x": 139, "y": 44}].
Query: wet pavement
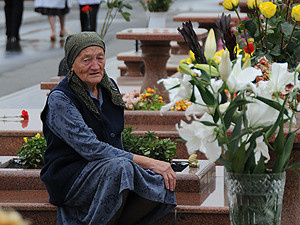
[{"x": 38, "y": 58}]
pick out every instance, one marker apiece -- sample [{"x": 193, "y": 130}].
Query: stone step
[
  {"x": 189, "y": 180},
  {"x": 33, "y": 205}
]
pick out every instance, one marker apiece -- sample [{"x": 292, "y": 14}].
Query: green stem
[
  {"x": 285, "y": 48},
  {"x": 266, "y": 35},
  {"x": 244, "y": 31},
  {"x": 259, "y": 25}
]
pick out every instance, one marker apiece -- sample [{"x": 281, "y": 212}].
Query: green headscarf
[{"x": 74, "y": 45}]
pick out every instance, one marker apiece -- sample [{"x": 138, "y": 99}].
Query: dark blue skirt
[{"x": 96, "y": 195}]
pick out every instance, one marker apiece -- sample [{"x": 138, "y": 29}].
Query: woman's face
[{"x": 89, "y": 65}]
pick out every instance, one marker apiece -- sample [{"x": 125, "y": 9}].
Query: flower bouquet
[
  {"x": 273, "y": 28},
  {"x": 238, "y": 120},
  {"x": 156, "y": 5}
]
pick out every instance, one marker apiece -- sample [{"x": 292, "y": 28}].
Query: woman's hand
[{"x": 159, "y": 167}]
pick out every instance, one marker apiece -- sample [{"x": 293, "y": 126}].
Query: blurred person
[
  {"x": 13, "y": 19},
  {"x": 88, "y": 22},
  {"x": 53, "y": 8}
]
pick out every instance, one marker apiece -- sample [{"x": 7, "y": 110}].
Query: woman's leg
[
  {"x": 135, "y": 209},
  {"x": 52, "y": 25},
  {"x": 62, "y": 32}
]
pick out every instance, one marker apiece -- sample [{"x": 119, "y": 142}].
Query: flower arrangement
[
  {"x": 238, "y": 117},
  {"x": 148, "y": 100},
  {"x": 156, "y": 5},
  {"x": 272, "y": 28},
  {"x": 31, "y": 154}
]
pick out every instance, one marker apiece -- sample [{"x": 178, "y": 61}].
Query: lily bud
[
  {"x": 225, "y": 66},
  {"x": 210, "y": 45}
]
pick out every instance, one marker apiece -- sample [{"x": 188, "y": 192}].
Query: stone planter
[{"x": 157, "y": 19}]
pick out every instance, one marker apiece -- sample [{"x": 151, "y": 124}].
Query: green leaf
[
  {"x": 294, "y": 166},
  {"x": 126, "y": 16},
  {"x": 206, "y": 95},
  {"x": 260, "y": 167},
  {"x": 232, "y": 108},
  {"x": 288, "y": 147},
  {"x": 287, "y": 28},
  {"x": 234, "y": 141},
  {"x": 279, "y": 141},
  {"x": 238, "y": 160},
  {"x": 251, "y": 26}
]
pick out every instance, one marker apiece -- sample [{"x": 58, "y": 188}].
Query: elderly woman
[{"x": 87, "y": 173}]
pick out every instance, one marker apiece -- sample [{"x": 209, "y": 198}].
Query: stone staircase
[{"x": 200, "y": 195}]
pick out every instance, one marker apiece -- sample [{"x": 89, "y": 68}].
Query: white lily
[
  {"x": 200, "y": 138},
  {"x": 200, "y": 107},
  {"x": 260, "y": 114},
  {"x": 261, "y": 149},
  {"x": 280, "y": 77},
  {"x": 239, "y": 79},
  {"x": 210, "y": 45},
  {"x": 225, "y": 66},
  {"x": 182, "y": 92}
]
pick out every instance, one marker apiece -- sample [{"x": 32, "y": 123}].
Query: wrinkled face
[{"x": 89, "y": 65}]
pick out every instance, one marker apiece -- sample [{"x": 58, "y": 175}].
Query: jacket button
[{"x": 112, "y": 135}]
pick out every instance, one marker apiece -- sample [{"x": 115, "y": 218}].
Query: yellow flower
[
  {"x": 192, "y": 55},
  {"x": 149, "y": 90},
  {"x": 251, "y": 3},
  {"x": 296, "y": 13},
  {"x": 230, "y": 5},
  {"x": 37, "y": 136},
  {"x": 189, "y": 61},
  {"x": 268, "y": 9},
  {"x": 25, "y": 139},
  {"x": 217, "y": 57},
  {"x": 182, "y": 61}
]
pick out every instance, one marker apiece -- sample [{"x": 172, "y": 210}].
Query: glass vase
[{"x": 255, "y": 198}]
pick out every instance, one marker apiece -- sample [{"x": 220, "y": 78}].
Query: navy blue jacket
[{"x": 62, "y": 163}]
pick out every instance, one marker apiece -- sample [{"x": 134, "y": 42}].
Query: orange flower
[{"x": 149, "y": 90}]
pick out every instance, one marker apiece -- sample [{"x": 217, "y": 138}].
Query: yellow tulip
[
  {"x": 25, "y": 139},
  {"x": 268, "y": 9},
  {"x": 296, "y": 13},
  {"x": 230, "y": 5},
  {"x": 252, "y": 5}
]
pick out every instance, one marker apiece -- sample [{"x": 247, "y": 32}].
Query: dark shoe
[{"x": 13, "y": 45}]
